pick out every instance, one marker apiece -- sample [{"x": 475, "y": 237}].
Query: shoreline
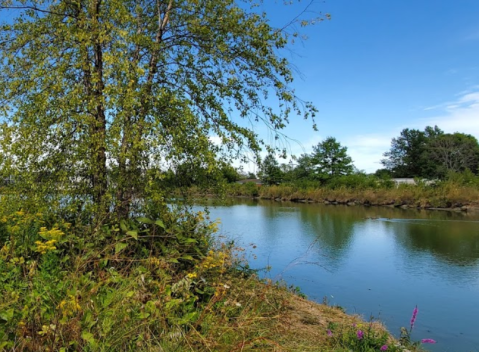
[
  {"x": 456, "y": 208},
  {"x": 471, "y": 207}
]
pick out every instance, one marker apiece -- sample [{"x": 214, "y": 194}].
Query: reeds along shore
[{"x": 445, "y": 194}]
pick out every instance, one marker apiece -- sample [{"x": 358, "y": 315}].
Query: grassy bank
[
  {"x": 445, "y": 194},
  {"x": 153, "y": 285}
]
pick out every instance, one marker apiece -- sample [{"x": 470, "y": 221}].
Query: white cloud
[
  {"x": 367, "y": 150},
  {"x": 461, "y": 115},
  {"x": 215, "y": 139}
]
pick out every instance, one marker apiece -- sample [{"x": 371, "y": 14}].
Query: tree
[
  {"x": 455, "y": 152},
  {"x": 270, "y": 171},
  {"x": 330, "y": 159},
  {"x": 304, "y": 167},
  {"x": 431, "y": 153},
  {"x": 91, "y": 86},
  {"x": 408, "y": 156},
  {"x": 229, "y": 173}
]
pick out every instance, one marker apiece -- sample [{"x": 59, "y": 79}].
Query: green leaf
[
  {"x": 188, "y": 318},
  {"x": 133, "y": 233},
  {"x": 160, "y": 223},
  {"x": 144, "y": 220},
  {"x": 123, "y": 225},
  {"x": 88, "y": 337},
  {"x": 187, "y": 257},
  {"x": 7, "y": 315},
  {"x": 120, "y": 246},
  {"x": 143, "y": 315}
]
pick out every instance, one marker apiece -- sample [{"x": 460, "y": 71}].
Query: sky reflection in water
[{"x": 372, "y": 261}]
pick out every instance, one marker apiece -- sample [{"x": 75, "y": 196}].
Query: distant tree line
[
  {"x": 429, "y": 154},
  {"x": 328, "y": 161}
]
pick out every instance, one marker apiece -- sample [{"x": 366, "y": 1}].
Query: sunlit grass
[
  {"x": 447, "y": 194},
  {"x": 148, "y": 285}
]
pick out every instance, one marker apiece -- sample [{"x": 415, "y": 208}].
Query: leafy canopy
[
  {"x": 270, "y": 172},
  {"x": 330, "y": 159},
  {"x": 94, "y": 93},
  {"x": 431, "y": 153}
]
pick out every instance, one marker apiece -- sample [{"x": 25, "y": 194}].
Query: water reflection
[
  {"x": 371, "y": 260},
  {"x": 449, "y": 236},
  {"x": 456, "y": 243}
]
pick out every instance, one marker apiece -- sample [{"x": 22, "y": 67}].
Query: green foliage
[
  {"x": 360, "y": 338},
  {"x": 270, "y": 171},
  {"x": 357, "y": 181},
  {"x": 248, "y": 189},
  {"x": 131, "y": 282},
  {"x": 141, "y": 284},
  {"x": 454, "y": 153},
  {"x": 431, "y": 153},
  {"x": 407, "y": 156},
  {"x": 304, "y": 167},
  {"x": 94, "y": 94},
  {"x": 466, "y": 178},
  {"x": 229, "y": 173},
  {"x": 329, "y": 159}
]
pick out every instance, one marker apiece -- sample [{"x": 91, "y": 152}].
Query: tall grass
[
  {"x": 143, "y": 285},
  {"x": 442, "y": 194}
]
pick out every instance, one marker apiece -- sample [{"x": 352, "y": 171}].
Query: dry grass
[
  {"x": 271, "y": 319},
  {"x": 444, "y": 196}
]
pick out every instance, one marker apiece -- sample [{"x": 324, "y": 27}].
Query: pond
[{"x": 374, "y": 261}]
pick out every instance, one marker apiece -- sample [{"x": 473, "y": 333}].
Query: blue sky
[{"x": 379, "y": 66}]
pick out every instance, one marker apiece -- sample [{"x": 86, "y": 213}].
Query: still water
[{"x": 375, "y": 261}]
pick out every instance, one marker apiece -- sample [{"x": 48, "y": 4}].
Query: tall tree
[
  {"x": 455, "y": 152},
  {"x": 408, "y": 155},
  {"x": 304, "y": 167},
  {"x": 330, "y": 159},
  {"x": 270, "y": 171},
  {"x": 91, "y": 86}
]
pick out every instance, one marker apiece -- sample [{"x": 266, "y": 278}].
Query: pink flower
[
  {"x": 360, "y": 334},
  {"x": 428, "y": 341},
  {"x": 384, "y": 348},
  {"x": 413, "y": 318},
  {"x": 330, "y": 333}
]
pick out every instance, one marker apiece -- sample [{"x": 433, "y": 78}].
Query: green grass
[{"x": 148, "y": 285}]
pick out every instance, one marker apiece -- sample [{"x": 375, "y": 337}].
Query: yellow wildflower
[
  {"x": 44, "y": 247},
  {"x": 192, "y": 275},
  {"x": 70, "y": 306}
]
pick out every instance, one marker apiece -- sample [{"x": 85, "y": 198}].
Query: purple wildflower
[
  {"x": 383, "y": 348},
  {"x": 330, "y": 333},
  {"x": 428, "y": 341},
  {"x": 360, "y": 334},
  {"x": 413, "y": 318}
]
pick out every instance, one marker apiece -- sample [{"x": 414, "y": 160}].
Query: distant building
[
  {"x": 403, "y": 181},
  {"x": 412, "y": 181}
]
